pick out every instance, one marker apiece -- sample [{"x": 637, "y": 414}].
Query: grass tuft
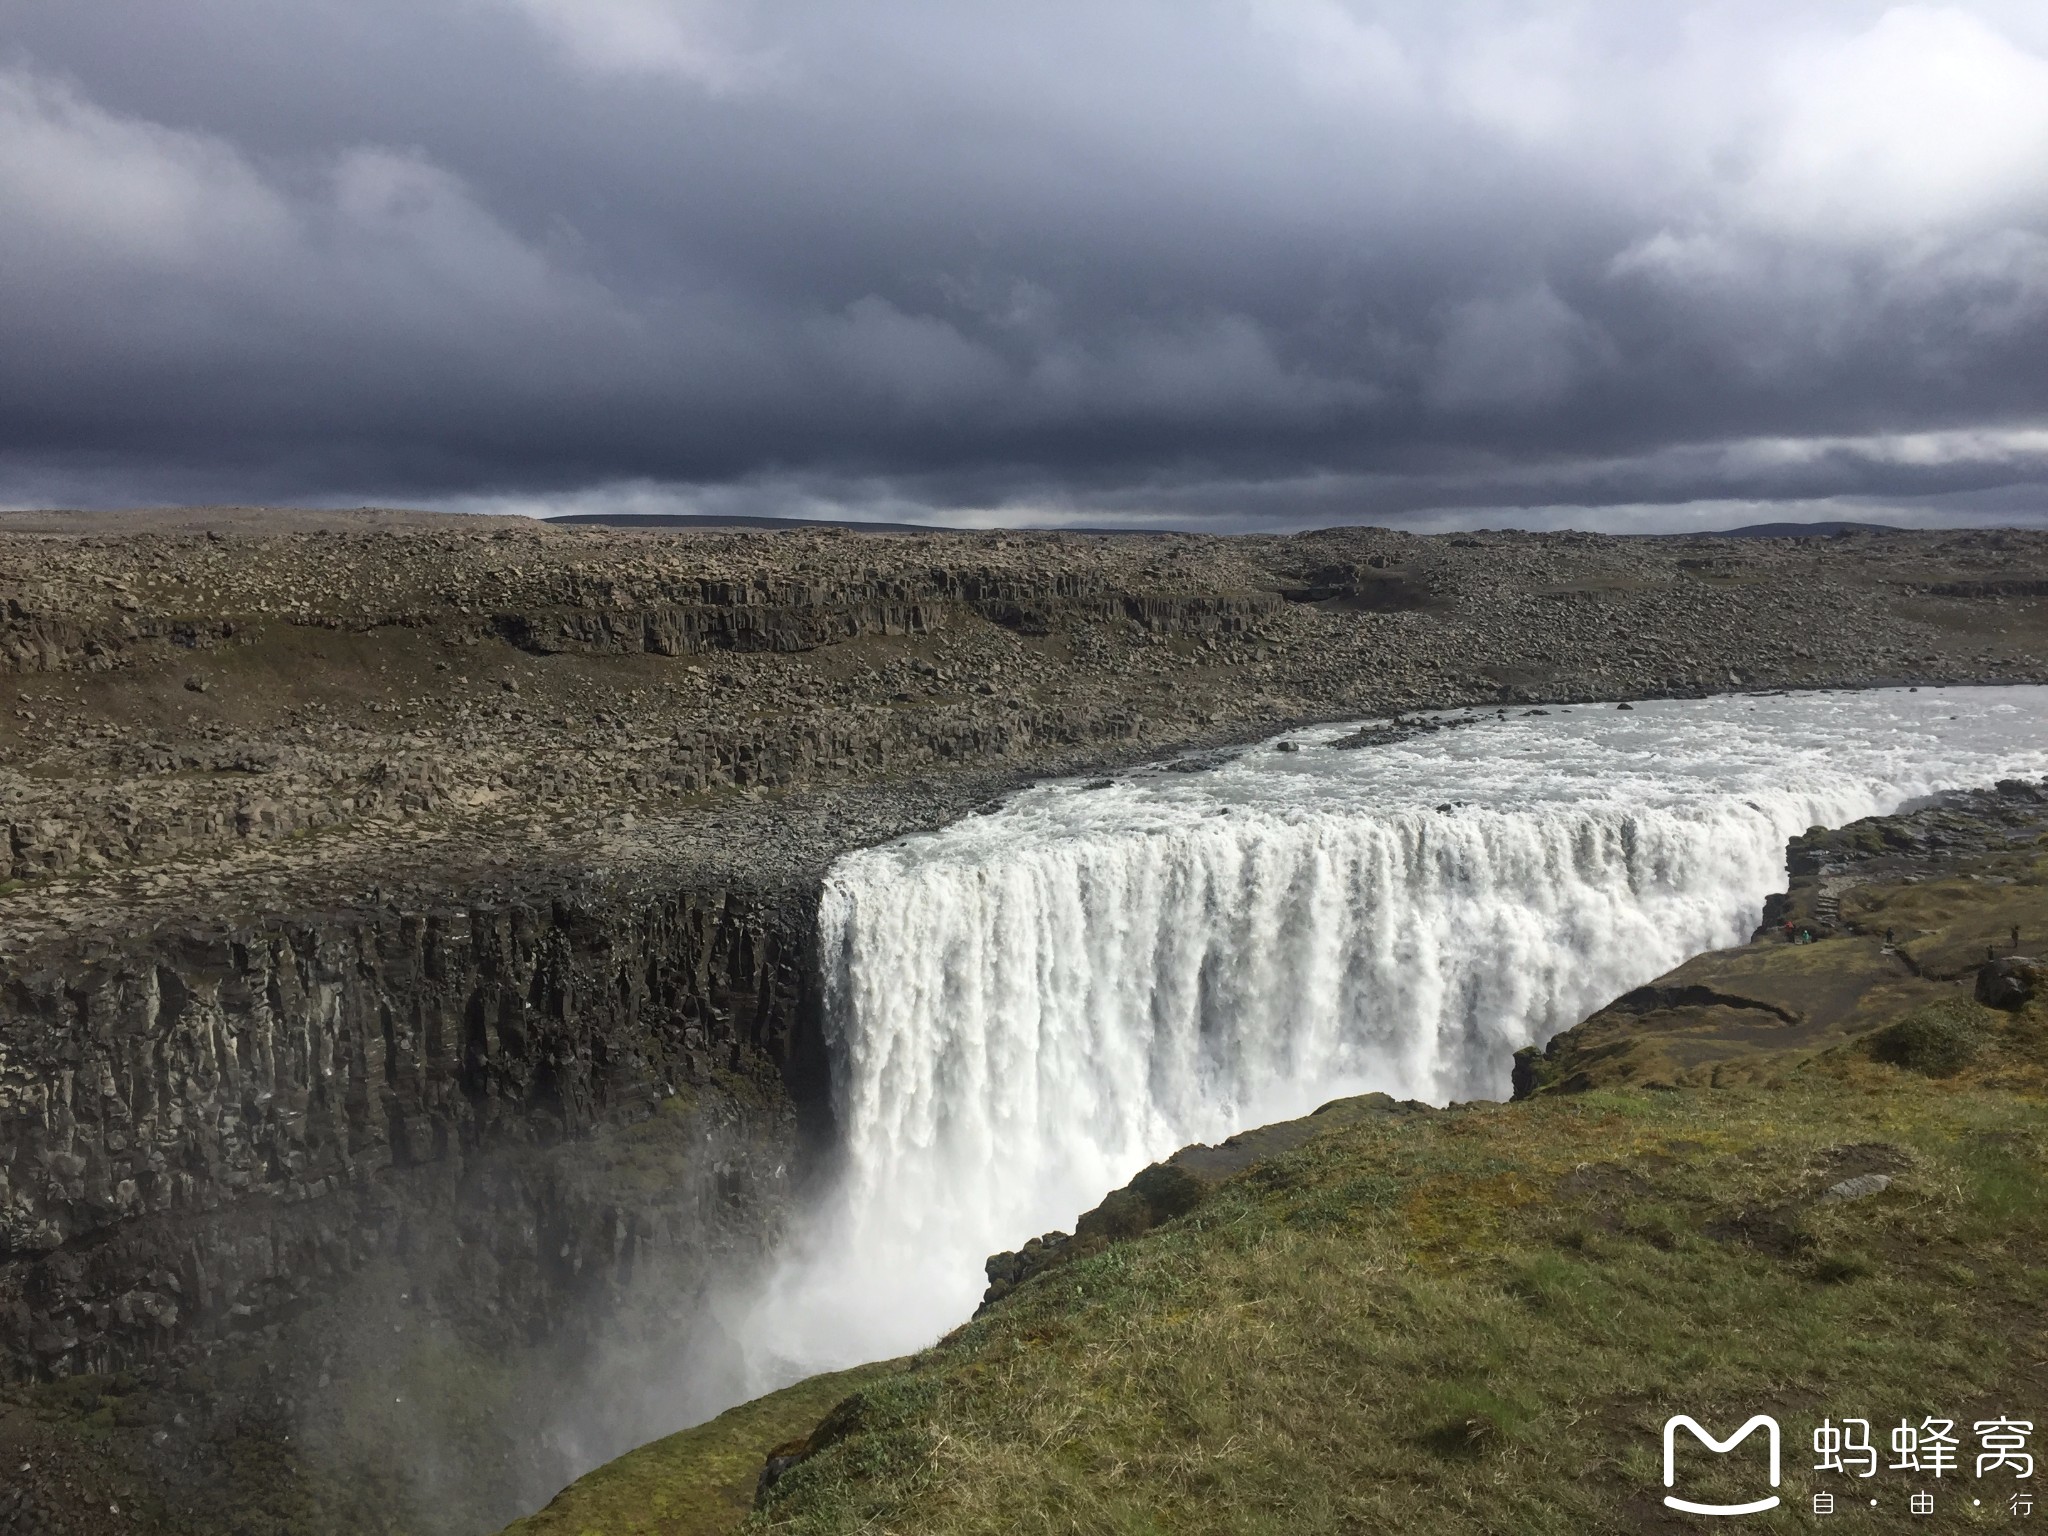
[
  {"x": 1938, "y": 1040},
  {"x": 1842, "y": 1268}
]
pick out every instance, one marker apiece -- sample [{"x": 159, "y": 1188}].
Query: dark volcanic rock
[
  {"x": 2012, "y": 983},
  {"x": 199, "y": 1134}
]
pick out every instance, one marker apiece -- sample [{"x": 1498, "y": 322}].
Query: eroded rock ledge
[{"x": 1908, "y": 913}]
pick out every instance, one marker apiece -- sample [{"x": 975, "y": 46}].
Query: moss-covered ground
[
  {"x": 699, "y": 1482},
  {"x": 1479, "y": 1320}
]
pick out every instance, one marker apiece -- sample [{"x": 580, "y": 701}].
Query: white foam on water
[{"x": 1027, "y": 1007}]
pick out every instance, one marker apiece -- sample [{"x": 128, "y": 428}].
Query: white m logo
[{"x": 1671, "y": 1427}]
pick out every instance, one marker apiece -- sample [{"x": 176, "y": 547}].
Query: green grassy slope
[
  {"x": 699, "y": 1482},
  {"x": 1479, "y": 1319}
]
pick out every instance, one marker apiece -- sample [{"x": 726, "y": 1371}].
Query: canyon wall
[{"x": 200, "y": 1134}]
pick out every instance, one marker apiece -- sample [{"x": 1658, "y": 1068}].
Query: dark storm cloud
[{"x": 1287, "y": 262}]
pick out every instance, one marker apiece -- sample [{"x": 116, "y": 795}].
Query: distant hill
[
  {"x": 709, "y": 520},
  {"x": 1797, "y": 530},
  {"x": 712, "y": 520}
]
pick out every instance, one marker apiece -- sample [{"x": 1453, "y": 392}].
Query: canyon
[{"x": 408, "y": 925}]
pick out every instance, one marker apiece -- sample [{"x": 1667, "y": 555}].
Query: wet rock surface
[{"x": 384, "y": 1185}]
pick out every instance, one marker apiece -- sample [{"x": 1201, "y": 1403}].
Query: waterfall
[{"x": 1027, "y": 1007}]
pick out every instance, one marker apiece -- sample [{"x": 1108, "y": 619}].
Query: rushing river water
[{"x": 1029, "y": 1006}]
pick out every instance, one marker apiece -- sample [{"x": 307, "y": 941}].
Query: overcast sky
[{"x": 1274, "y": 263}]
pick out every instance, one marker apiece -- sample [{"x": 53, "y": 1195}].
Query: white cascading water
[{"x": 1027, "y": 1007}]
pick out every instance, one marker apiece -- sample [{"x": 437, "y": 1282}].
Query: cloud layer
[{"x": 1222, "y": 262}]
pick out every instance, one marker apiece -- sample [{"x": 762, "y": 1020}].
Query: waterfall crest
[{"x": 1027, "y": 1007}]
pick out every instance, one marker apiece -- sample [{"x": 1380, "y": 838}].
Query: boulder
[{"x": 2012, "y": 983}]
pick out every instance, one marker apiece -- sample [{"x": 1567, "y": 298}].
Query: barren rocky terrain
[
  {"x": 404, "y": 919},
  {"x": 241, "y": 709}
]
